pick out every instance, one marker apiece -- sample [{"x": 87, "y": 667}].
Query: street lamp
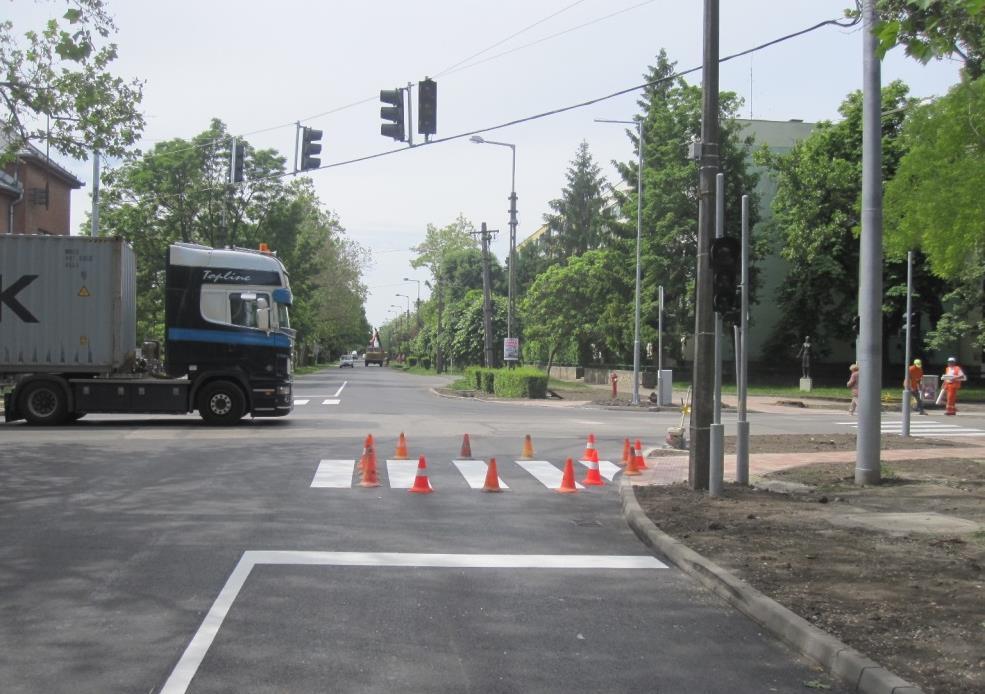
[
  {"x": 408, "y": 303},
  {"x": 479, "y": 140},
  {"x": 417, "y": 306},
  {"x": 639, "y": 229}
]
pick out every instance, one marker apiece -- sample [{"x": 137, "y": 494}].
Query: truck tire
[
  {"x": 44, "y": 403},
  {"x": 221, "y": 402}
]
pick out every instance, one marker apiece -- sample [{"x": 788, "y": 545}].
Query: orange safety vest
[{"x": 956, "y": 374}]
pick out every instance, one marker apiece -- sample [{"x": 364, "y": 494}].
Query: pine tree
[{"x": 582, "y": 219}]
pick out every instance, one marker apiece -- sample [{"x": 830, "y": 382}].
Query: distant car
[{"x": 347, "y": 360}]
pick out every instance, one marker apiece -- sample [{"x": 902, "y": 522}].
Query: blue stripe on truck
[{"x": 229, "y": 337}]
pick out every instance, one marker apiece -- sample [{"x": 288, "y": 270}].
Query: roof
[{"x": 31, "y": 153}]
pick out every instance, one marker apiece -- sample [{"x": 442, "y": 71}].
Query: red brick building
[{"x": 35, "y": 195}]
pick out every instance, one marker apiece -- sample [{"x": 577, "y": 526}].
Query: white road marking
[
  {"x": 607, "y": 469},
  {"x": 544, "y": 472},
  {"x": 401, "y": 473},
  {"x": 300, "y": 402},
  {"x": 334, "y": 474},
  {"x": 339, "y": 391},
  {"x": 183, "y": 673},
  {"x": 474, "y": 472},
  {"x": 331, "y": 402}
]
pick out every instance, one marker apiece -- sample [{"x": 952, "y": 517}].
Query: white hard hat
[{"x": 951, "y": 359}]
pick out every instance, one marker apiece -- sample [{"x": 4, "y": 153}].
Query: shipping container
[{"x": 66, "y": 304}]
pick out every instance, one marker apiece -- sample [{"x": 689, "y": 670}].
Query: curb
[{"x": 842, "y": 661}]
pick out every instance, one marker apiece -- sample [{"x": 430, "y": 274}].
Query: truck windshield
[{"x": 283, "y": 318}]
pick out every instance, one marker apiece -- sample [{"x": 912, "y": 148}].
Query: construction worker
[
  {"x": 853, "y": 384},
  {"x": 915, "y": 373},
  {"x": 953, "y": 377}
]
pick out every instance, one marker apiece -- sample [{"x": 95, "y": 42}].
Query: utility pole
[
  {"x": 95, "y": 194},
  {"x": 439, "y": 359},
  {"x": 905, "y": 422},
  {"x": 716, "y": 446},
  {"x": 742, "y": 426},
  {"x": 703, "y": 377},
  {"x": 867, "y": 460},
  {"x": 485, "y": 235}
]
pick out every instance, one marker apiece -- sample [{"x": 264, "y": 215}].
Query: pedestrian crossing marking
[
  {"x": 544, "y": 472},
  {"x": 474, "y": 472},
  {"x": 333, "y": 474},
  {"x": 331, "y": 401},
  {"x": 301, "y": 402},
  {"x": 925, "y": 429},
  {"x": 607, "y": 469},
  {"x": 401, "y": 473}
]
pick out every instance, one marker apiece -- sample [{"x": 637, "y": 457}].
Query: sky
[{"x": 260, "y": 67}]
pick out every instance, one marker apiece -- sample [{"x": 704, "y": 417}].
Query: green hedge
[
  {"x": 489, "y": 380},
  {"x": 520, "y": 383}
]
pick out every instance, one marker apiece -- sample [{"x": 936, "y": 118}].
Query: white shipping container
[{"x": 67, "y": 304}]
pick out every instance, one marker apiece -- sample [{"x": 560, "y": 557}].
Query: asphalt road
[{"x": 162, "y": 555}]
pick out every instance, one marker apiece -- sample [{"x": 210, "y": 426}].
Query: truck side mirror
[{"x": 263, "y": 315}]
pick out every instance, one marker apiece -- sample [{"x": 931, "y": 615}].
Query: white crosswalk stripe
[
  {"x": 925, "y": 429},
  {"x": 334, "y": 473}
]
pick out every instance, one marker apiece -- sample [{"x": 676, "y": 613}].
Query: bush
[
  {"x": 411, "y": 361},
  {"x": 489, "y": 380},
  {"x": 426, "y": 362},
  {"x": 520, "y": 383},
  {"x": 473, "y": 376}
]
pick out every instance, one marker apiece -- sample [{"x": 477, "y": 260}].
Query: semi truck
[{"x": 68, "y": 332}]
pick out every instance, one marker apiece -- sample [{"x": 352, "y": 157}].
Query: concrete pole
[
  {"x": 660, "y": 345},
  {"x": 95, "y": 194},
  {"x": 704, "y": 325},
  {"x": 639, "y": 236},
  {"x": 905, "y": 424},
  {"x": 717, "y": 441},
  {"x": 867, "y": 460},
  {"x": 742, "y": 427}
]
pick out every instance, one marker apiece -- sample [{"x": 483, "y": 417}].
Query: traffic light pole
[
  {"x": 703, "y": 374},
  {"x": 742, "y": 426},
  {"x": 410, "y": 116}
]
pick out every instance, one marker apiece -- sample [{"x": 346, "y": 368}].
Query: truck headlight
[{"x": 283, "y": 390}]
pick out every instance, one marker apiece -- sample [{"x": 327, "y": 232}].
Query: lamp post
[
  {"x": 479, "y": 140},
  {"x": 408, "y": 303},
  {"x": 417, "y": 306},
  {"x": 639, "y": 233}
]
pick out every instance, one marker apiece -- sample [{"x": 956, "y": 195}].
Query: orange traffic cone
[
  {"x": 626, "y": 451},
  {"x": 401, "y": 452},
  {"x": 592, "y": 477},
  {"x": 366, "y": 446},
  {"x": 528, "y": 448},
  {"x": 640, "y": 461},
  {"x": 421, "y": 483},
  {"x": 632, "y": 468},
  {"x": 568, "y": 479},
  {"x": 466, "y": 448},
  {"x": 589, "y": 448},
  {"x": 368, "y": 467},
  {"x": 492, "y": 477}
]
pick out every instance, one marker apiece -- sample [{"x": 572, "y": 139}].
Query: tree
[
  {"x": 935, "y": 203},
  {"x": 671, "y": 113},
  {"x": 930, "y": 29},
  {"x": 581, "y": 218},
  {"x": 816, "y": 225},
  {"x": 58, "y": 90}
]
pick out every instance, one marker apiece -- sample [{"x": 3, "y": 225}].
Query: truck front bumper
[{"x": 274, "y": 400}]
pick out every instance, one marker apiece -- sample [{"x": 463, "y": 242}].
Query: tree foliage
[
  {"x": 57, "y": 87},
  {"x": 581, "y": 219},
  {"x": 935, "y": 203}
]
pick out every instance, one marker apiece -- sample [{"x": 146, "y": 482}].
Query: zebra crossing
[
  {"x": 460, "y": 474},
  {"x": 926, "y": 428},
  {"x": 333, "y": 399}
]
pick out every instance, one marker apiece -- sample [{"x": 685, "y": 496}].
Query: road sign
[{"x": 511, "y": 348}]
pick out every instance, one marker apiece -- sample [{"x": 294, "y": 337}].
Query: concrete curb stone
[{"x": 854, "y": 668}]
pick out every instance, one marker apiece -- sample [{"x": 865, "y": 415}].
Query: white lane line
[
  {"x": 949, "y": 434},
  {"x": 300, "y": 402},
  {"x": 401, "y": 473},
  {"x": 194, "y": 654},
  {"x": 607, "y": 469},
  {"x": 339, "y": 391},
  {"x": 334, "y": 474},
  {"x": 331, "y": 402},
  {"x": 474, "y": 472},
  {"x": 544, "y": 472}
]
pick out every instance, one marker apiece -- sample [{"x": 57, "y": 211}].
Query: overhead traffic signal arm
[{"x": 394, "y": 114}]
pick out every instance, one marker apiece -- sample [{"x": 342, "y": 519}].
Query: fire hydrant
[{"x": 614, "y": 380}]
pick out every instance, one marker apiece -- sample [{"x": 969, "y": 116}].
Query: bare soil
[{"x": 913, "y": 601}]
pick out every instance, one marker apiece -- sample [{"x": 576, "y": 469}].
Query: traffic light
[
  {"x": 427, "y": 107},
  {"x": 310, "y": 147},
  {"x": 856, "y": 324},
  {"x": 393, "y": 113},
  {"x": 236, "y": 165},
  {"x": 725, "y": 271}
]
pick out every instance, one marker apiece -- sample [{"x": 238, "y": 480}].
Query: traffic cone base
[
  {"x": 421, "y": 483},
  {"x": 401, "y": 452},
  {"x": 568, "y": 479},
  {"x": 466, "y": 452},
  {"x": 528, "y": 448},
  {"x": 492, "y": 477}
]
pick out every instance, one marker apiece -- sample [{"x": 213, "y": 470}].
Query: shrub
[
  {"x": 411, "y": 361},
  {"x": 426, "y": 362},
  {"x": 473, "y": 375},
  {"x": 489, "y": 381},
  {"x": 520, "y": 383}
]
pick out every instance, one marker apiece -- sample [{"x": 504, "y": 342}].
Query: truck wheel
[
  {"x": 43, "y": 402},
  {"x": 221, "y": 402}
]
